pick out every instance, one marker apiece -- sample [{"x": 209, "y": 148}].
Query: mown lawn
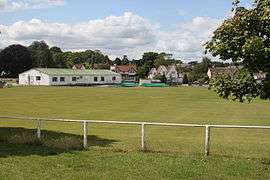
[{"x": 114, "y": 152}]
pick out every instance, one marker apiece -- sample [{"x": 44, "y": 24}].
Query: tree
[
  {"x": 185, "y": 79},
  {"x": 14, "y": 60},
  {"x": 117, "y": 61},
  {"x": 41, "y": 54},
  {"x": 55, "y": 50},
  {"x": 160, "y": 61},
  {"x": 149, "y": 59},
  {"x": 125, "y": 60},
  {"x": 245, "y": 39},
  {"x": 58, "y": 58},
  {"x": 142, "y": 71},
  {"x": 162, "y": 78}
]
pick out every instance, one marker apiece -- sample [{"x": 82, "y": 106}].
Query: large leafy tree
[
  {"x": 125, "y": 60},
  {"x": 41, "y": 54},
  {"x": 244, "y": 38},
  {"x": 14, "y": 60},
  {"x": 58, "y": 57}
]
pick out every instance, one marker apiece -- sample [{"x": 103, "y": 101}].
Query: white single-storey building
[{"x": 62, "y": 77}]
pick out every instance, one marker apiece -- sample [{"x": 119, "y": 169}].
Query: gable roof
[
  {"x": 78, "y": 66},
  {"x": 153, "y": 70},
  {"x": 125, "y": 68},
  {"x": 162, "y": 68},
  {"x": 171, "y": 67},
  {"x": 74, "y": 72},
  {"x": 217, "y": 71}
]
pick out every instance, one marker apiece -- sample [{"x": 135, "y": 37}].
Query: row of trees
[{"x": 17, "y": 58}]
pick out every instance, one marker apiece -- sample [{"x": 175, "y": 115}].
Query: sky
[{"x": 116, "y": 27}]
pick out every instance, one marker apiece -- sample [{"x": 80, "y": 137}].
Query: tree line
[{"x": 16, "y": 59}]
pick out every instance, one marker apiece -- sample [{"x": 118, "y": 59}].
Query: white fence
[{"x": 142, "y": 124}]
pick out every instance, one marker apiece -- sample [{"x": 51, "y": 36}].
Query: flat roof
[{"x": 74, "y": 72}]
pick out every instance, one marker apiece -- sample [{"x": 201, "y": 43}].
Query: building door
[
  {"x": 31, "y": 80},
  {"x": 28, "y": 80}
]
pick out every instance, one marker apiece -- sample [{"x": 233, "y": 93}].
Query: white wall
[
  {"x": 29, "y": 78},
  {"x": 86, "y": 80}
]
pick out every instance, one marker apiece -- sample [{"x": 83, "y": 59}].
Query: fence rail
[{"x": 142, "y": 124}]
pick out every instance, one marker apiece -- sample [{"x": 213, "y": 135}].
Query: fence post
[
  {"x": 38, "y": 129},
  {"x": 207, "y": 140},
  {"x": 85, "y": 132},
  {"x": 142, "y": 136}
]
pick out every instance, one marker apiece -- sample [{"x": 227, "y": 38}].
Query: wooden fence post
[
  {"x": 143, "y": 136},
  {"x": 85, "y": 133},
  {"x": 38, "y": 129},
  {"x": 207, "y": 140}
]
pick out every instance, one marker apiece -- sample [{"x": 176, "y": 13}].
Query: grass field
[{"x": 114, "y": 152}]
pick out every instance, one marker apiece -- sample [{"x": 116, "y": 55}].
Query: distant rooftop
[{"x": 76, "y": 72}]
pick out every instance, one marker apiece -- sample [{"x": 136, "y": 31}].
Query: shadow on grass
[{"x": 24, "y": 142}]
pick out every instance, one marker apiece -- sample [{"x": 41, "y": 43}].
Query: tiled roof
[
  {"x": 217, "y": 71},
  {"x": 125, "y": 69},
  {"x": 79, "y": 66},
  {"x": 75, "y": 72}
]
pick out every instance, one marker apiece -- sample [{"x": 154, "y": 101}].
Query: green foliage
[
  {"x": 142, "y": 71},
  {"x": 162, "y": 78},
  {"x": 244, "y": 38},
  {"x": 240, "y": 86},
  {"x": 41, "y": 54},
  {"x": 199, "y": 70},
  {"x": 14, "y": 60},
  {"x": 117, "y": 61},
  {"x": 151, "y": 60},
  {"x": 125, "y": 60},
  {"x": 185, "y": 79}
]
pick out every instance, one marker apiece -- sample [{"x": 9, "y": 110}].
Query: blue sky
[
  {"x": 162, "y": 11},
  {"x": 119, "y": 26}
]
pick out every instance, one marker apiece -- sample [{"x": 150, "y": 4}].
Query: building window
[
  {"x": 74, "y": 79},
  {"x": 95, "y": 79},
  {"x": 113, "y": 78},
  {"x": 54, "y": 79},
  {"x": 38, "y": 78},
  {"x": 62, "y": 79},
  {"x": 102, "y": 79}
]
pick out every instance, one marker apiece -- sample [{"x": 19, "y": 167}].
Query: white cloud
[
  {"x": 187, "y": 41},
  {"x": 18, "y": 5},
  {"x": 128, "y": 34}
]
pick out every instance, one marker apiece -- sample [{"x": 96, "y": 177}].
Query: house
[
  {"x": 230, "y": 70},
  {"x": 169, "y": 72},
  {"x": 162, "y": 70},
  {"x": 214, "y": 72},
  {"x": 259, "y": 77},
  {"x": 128, "y": 72},
  {"x": 78, "y": 66},
  {"x": 59, "y": 77},
  {"x": 153, "y": 73}
]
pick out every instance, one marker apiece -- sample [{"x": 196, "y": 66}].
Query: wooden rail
[{"x": 142, "y": 124}]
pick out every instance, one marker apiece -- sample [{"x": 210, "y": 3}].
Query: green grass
[{"x": 114, "y": 152}]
